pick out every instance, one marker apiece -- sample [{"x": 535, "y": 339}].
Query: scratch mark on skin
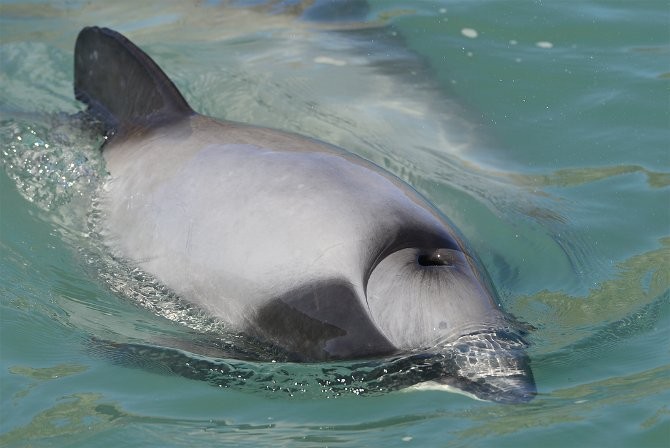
[
  {"x": 189, "y": 234},
  {"x": 328, "y": 249}
]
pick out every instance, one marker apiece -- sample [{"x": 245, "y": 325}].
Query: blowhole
[{"x": 434, "y": 259}]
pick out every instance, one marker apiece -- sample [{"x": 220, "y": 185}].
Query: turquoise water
[{"x": 542, "y": 129}]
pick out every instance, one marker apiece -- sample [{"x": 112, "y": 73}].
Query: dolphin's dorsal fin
[{"x": 123, "y": 86}]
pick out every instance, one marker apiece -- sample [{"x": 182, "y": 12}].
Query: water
[{"x": 540, "y": 128}]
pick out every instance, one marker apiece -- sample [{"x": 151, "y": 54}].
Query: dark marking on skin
[{"x": 321, "y": 321}]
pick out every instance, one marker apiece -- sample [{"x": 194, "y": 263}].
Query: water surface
[{"x": 540, "y": 128}]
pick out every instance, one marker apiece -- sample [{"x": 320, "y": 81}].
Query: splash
[{"x": 52, "y": 163}]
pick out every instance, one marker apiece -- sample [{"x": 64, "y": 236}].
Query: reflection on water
[
  {"x": 579, "y": 176},
  {"x": 572, "y": 404},
  {"x": 71, "y": 417},
  {"x": 641, "y": 281}
]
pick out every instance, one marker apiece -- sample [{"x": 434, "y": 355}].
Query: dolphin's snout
[
  {"x": 510, "y": 389},
  {"x": 494, "y": 366}
]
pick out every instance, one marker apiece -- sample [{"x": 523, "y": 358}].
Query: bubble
[{"x": 469, "y": 32}]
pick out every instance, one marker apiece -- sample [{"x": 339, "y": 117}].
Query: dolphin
[{"x": 285, "y": 239}]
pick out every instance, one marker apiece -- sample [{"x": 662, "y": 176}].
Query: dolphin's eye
[{"x": 436, "y": 258}]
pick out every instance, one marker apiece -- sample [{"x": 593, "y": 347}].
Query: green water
[{"x": 542, "y": 129}]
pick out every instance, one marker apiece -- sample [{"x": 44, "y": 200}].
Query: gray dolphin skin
[{"x": 286, "y": 239}]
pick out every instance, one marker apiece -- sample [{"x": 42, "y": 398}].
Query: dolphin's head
[{"x": 439, "y": 301}]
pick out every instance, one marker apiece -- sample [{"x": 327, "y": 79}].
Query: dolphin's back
[
  {"x": 121, "y": 85},
  {"x": 274, "y": 233}
]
